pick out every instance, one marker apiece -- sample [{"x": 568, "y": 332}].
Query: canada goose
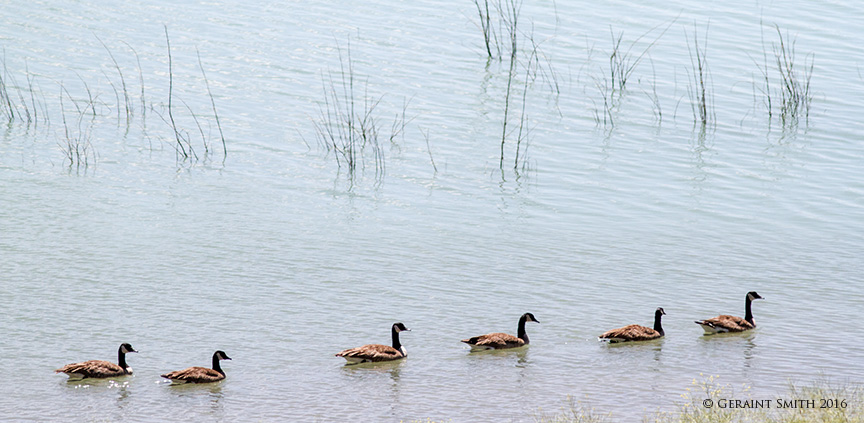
[
  {"x": 499, "y": 340},
  {"x": 636, "y": 332},
  {"x": 100, "y": 368},
  {"x": 376, "y": 352},
  {"x": 725, "y": 323},
  {"x": 200, "y": 374}
]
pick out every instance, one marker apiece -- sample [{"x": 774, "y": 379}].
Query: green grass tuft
[{"x": 845, "y": 405}]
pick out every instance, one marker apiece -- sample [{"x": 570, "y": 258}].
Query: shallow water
[{"x": 281, "y": 259}]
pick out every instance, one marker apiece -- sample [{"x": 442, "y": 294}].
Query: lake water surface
[{"x": 282, "y": 258}]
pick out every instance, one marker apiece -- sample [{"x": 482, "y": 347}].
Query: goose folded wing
[
  {"x": 372, "y": 352},
  {"x": 631, "y": 332},
  {"x": 731, "y": 323},
  {"x": 195, "y": 374},
  {"x": 495, "y": 340},
  {"x": 92, "y": 368}
]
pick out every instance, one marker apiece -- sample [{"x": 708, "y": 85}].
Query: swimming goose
[
  {"x": 636, "y": 332},
  {"x": 376, "y": 352},
  {"x": 200, "y": 374},
  {"x": 502, "y": 340},
  {"x": 726, "y": 323},
  {"x": 100, "y": 368}
]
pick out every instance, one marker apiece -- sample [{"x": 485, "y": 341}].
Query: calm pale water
[{"x": 281, "y": 259}]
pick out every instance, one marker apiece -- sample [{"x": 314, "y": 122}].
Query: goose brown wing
[
  {"x": 495, "y": 340},
  {"x": 372, "y": 352},
  {"x": 730, "y": 323},
  {"x": 195, "y": 375},
  {"x": 632, "y": 333},
  {"x": 93, "y": 368}
]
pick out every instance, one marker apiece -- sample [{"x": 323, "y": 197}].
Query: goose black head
[
  {"x": 127, "y": 348},
  {"x": 221, "y": 355},
  {"x": 752, "y": 295},
  {"x": 399, "y": 327},
  {"x": 661, "y": 311},
  {"x": 530, "y": 318}
]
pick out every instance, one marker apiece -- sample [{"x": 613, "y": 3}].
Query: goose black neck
[
  {"x": 657, "y": 326},
  {"x": 521, "y": 332},
  {"x": 395, "y": 335},
  {"x": 121, "y": 358},
  {"x": 748, "y": 316},
  {"x": 216, "y": 365}
]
